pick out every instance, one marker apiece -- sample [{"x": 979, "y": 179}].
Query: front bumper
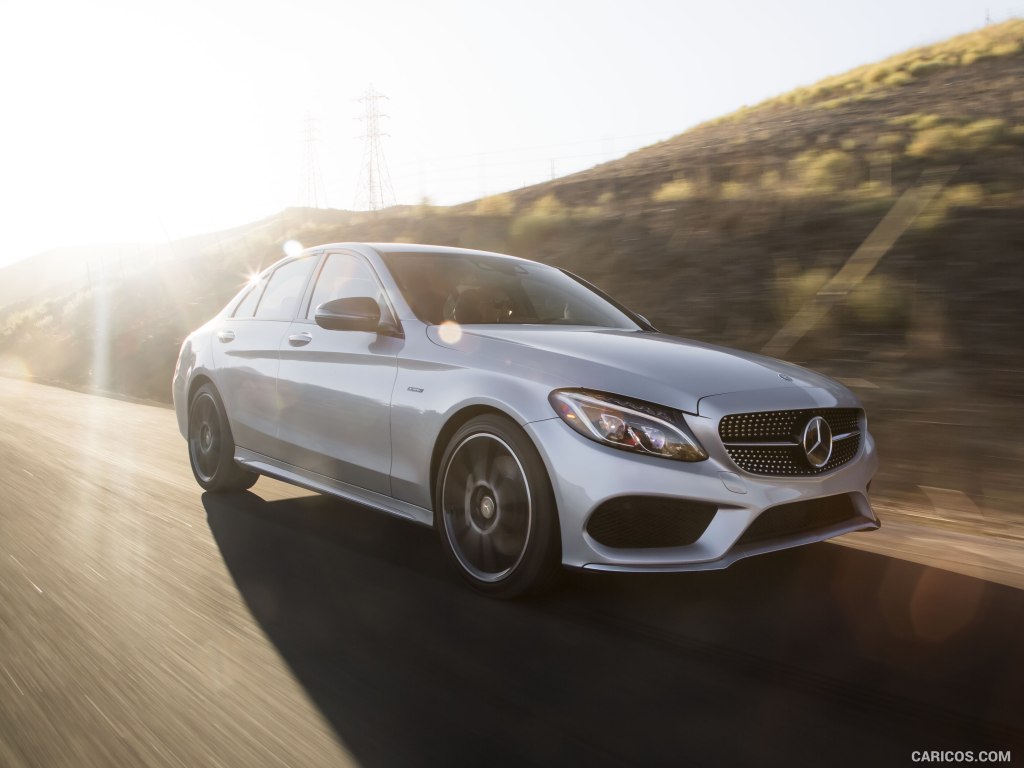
[{"x": 585, "y": 474}]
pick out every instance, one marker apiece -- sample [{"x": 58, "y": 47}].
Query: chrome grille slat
[{"x": 768, "y": 442}]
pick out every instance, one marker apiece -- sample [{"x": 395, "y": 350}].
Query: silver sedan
[{"x": 528, "y": 417}]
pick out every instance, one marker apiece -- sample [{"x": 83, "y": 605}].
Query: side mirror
[{"x": 354, "y": 313}]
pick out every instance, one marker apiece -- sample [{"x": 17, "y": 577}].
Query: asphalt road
[{"x": 143, "y": 623}]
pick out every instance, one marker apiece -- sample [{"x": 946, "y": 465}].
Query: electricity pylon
[
  {"x": 311, "y": 192},
  {"x": 373, "y": 190}
]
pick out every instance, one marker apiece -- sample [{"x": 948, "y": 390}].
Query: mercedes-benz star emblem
[{"x": 817, "y": 442}]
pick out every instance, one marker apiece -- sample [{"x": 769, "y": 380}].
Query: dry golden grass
[
  {"x": 674, "y": 191},
  {"x": 948, "y": 137},
  {"x": 1006, "y": 39},
  {"x": 495, "y": 205}
]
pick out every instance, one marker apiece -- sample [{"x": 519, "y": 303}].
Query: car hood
[{"x": 649, "y": 366}]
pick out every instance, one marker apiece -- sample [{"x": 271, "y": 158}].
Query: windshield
[{"x": 472, "y": 289}]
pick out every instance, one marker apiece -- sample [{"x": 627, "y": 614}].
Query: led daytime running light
[{"x": 617, "y": 425}]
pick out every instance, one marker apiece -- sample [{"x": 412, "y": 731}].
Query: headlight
[{"x": 628, "y": 424}]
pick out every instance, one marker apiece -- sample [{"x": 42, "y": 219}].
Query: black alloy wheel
[{"x": 211, "y": 449}]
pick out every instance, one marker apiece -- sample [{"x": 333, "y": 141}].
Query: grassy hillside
[{"x": 722, "y": 233}]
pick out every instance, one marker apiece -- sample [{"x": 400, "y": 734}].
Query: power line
[
  {"x": 374, "y": 190},
  {"x": 546, "y": 147},
  {"x": 446, "y": 172},
  {"x": 431, "y": 171}
]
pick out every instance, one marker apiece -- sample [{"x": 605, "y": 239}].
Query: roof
[{"x": 417, "y": 248}]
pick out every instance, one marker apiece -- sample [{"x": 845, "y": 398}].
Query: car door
[
  {"x": 246, "y": 353},
  {"x": 334, "y": 387}
]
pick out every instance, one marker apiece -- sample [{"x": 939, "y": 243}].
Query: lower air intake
[
  {"x": 799, "y": 518},
  {"x": 641, "y": 522}
]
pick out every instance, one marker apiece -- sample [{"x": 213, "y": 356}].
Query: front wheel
[
  {"x": 495, "y": 510},
  {"x": 211, "y": 449}
]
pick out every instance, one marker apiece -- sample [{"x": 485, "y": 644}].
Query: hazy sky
[{"x": 133, "y": 120}]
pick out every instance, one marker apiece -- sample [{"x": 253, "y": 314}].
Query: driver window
[{"x": 344, "y": 276}]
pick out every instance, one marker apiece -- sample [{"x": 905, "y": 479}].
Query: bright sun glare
[{"x": 146, "y": 122}]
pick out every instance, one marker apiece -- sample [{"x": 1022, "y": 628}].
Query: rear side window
[
  {"x": 247, "y": 306},
  {"x": 284, "y": 291}
]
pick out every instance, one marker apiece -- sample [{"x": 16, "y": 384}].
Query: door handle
[
  {"x": 300, "y": 339},
  {"x": 226, "y": 336}
]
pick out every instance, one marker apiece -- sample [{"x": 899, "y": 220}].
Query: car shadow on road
[{"x": 778, "y": 657}]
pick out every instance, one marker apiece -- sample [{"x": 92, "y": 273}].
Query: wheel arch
[
  {"x": 197, "y": 381},
  {"x": 450, "y": 427},
  {"x": 227, "y": 474},
  {"x": 539, "y": 563}
]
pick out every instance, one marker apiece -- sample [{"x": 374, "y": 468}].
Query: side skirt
[{"x": 289, "y": 473}]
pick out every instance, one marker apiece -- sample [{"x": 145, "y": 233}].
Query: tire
[
  {"x": 211, "y": 449},
  {"x": 495, "y": 511}
]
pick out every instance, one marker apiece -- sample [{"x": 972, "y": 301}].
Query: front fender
[{"x": 428, "y": 395}]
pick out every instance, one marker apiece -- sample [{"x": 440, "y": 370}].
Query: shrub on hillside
[
  {"x": 930, "y": 142},
  {"x": 794, "y": 291},
  {"x": 947, "y": 138},
  {"x": 546, "y": 215},
  {"x": 1008, "y": 48},
  {"x": 771, "y": 180},
  {"x": 924, "y": 122},
  {"x": 495, "y": 205},
  {"x": 604, "y": 206},
  {"x": 872, "y": 189},
  {"x": 674, "y": 191},
  {"x": 877, "y": 300},
  {"x": 897, "y": 79},
  {"x": 957, "y": 196},
  {"x": 828, "y": 171},
  {"x": 964, "y": 195},
  {"x": 983, "y": 133},
  {"x": 734, "y": 190},
  {"x": 19, "y": 320},
  {"x": 929, "y": 66},
  {"x": 889, "y": 141}
]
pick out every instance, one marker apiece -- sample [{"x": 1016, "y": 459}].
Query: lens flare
[
  {"x": 292, "y": 247},
  {"x": 450, "y": 332}
]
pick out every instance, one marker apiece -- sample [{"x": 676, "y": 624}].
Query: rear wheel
[
  {"x": 211, "y": 449},
  {"x": 495, "y": 510}
]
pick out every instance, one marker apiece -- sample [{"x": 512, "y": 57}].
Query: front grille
[
  {"x": 768, "y": 442},
  {"x": 800, "y": 517},
  {"x": 638, "y": 522}
]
